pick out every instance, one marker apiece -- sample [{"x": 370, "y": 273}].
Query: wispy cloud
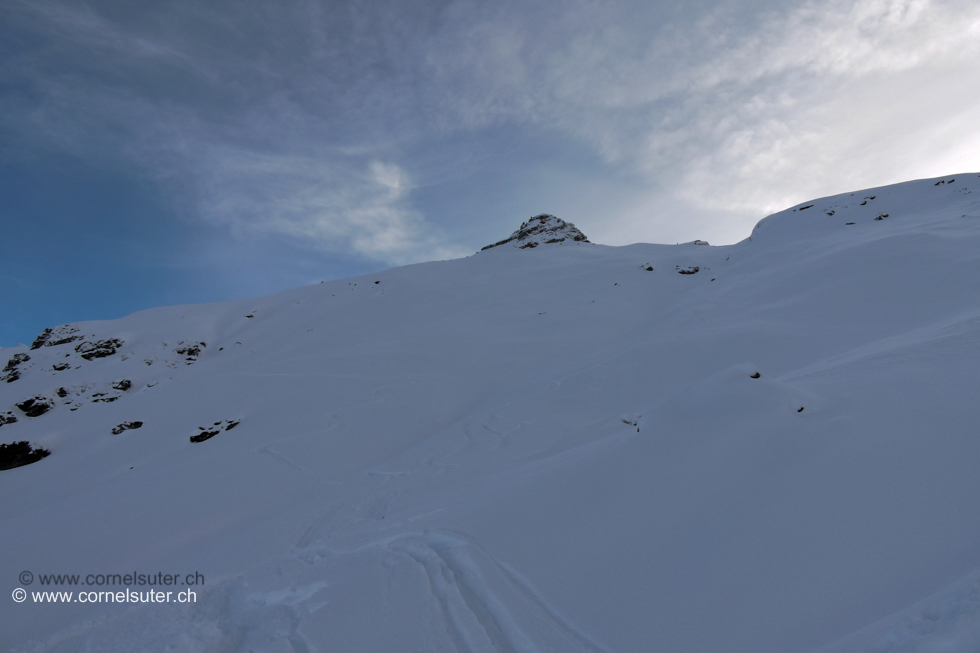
[
  {"x": 742, "y": 113},
  {"x": 305, "y": 121},
  {"x": 330, "y": 203},
  {"x": 269, "y": 166}
]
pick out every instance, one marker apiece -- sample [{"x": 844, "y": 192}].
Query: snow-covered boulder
[{"x": 542, "y": 229}]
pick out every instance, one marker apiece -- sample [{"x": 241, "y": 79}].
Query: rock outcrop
[
  {"x": 542, "y": 229},
  {"x": 10, "y": 371},
  {"x": 18, "y": 454},
  {"x": 60, "y": 335}
]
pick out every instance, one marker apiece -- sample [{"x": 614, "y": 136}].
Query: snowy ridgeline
[
  {"x": 542, "y": 229},
  {"x": 764, "y": 447}
]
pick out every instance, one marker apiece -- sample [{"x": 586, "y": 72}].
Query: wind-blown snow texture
[{"x": 764, "y": 447}]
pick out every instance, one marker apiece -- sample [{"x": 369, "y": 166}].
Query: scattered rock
[
  {"x": 125, "y": 426},
  {"x": 800, "y": 409},
  {"x": 61, "y": 335},
  {"x": 35, "y": 406},
  {"x": 190, "y": 350},
  {"x": 210, "y": 432},
  {"x": 702, "y": 242},
  {"x": 122, "y": 384},
  {"x": 755, "y": 376},
  {"x": 98, "y": 348},
  {"x": 41, "y": 339},
  {"x": 16, "y": 360},
  {"x": 542, "y": 229},
  {"x": 804, "y": 208},
  {"x": 10, "y": 371},
  {"x": 882, "y": 216},
  {"x": 18, "y": 454},
  {"x": 205, "y": 435},
  {"x": 690, "y": 270},
  {"x": 62, "y": 392},
  {"x": 7, "y": 418},
  {"x": 847, "y": 223},
  {"x": 59, "y": 367}
]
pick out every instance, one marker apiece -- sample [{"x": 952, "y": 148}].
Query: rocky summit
[{"x": 542, "y": 229}]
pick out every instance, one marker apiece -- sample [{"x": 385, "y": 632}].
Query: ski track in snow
[
  {"x": 480, "y": 620},
  {"x": 946, "y": 622},
  {"x": 966, "y": 323}
]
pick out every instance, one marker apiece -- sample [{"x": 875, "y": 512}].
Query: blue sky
[{"x": 178, "y": 152}]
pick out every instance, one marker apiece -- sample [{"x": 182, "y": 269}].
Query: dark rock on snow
[
  {"x": 61, "y": 335},
  {"x": 41, "y": 339},
  {"x": 125, "y": 426},
  {"x": 10, "y": 371},
  {"x": 542, "y": 229},
  {"x": 190, "y": 351},
  {"x": 18, "y": 454},
  {"x": 35, "y": 406},
  {"x": 99, "y": 348},
  {"x": 211, "y": 431}
]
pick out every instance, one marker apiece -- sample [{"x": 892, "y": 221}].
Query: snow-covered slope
[{"x": 765, "y": 447}]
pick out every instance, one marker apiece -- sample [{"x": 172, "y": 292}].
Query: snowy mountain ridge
[
  {"x": 542, "y": 229},
  {"x": 767, "y": 446}
]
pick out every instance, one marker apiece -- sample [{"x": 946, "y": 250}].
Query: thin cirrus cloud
[
  {"x": 316, "y": 121},
  {"x": 322, "y": 203},
  {"x": 736, "y": 119}
]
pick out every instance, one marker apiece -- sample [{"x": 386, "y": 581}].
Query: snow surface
[{"x": 550, "y": 449}]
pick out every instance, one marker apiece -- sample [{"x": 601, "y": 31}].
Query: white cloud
[
  {"x": 329, "y": 202},
  {"x": 302, "y": 121},
  {"x": 816, "y": 98},
  {"x": 735, "y": 112},
  {"x": 851, "y": 96}
]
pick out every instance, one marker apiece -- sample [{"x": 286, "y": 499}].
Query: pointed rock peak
[{"x": 543, "y": 229}]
